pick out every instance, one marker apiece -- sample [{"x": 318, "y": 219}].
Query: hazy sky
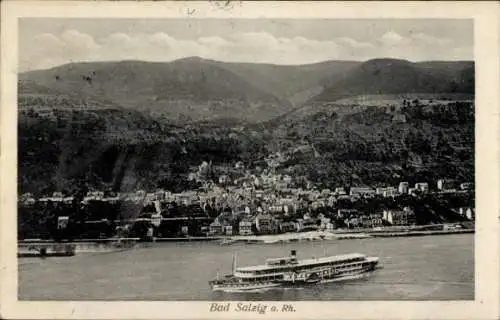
[{"x": 44, "y": 43}]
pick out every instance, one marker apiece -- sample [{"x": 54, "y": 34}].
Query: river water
[{"x": 414, "y": 268}]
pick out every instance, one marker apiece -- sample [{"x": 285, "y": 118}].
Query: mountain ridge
[
  {"x": 391, "y": 76},
  {"x": 197, "y": 89}
]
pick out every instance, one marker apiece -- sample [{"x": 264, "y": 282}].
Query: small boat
[
  {"x": 45, "y": 251},
  {"x": 286, "y": 271}
]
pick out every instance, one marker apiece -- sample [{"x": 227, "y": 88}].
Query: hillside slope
[
  {"x": 297, "y": 83},
  {"x": 391, "y": 76},
  {"x": 190, "y": 88},
  {"x": 381, "y": 145}
]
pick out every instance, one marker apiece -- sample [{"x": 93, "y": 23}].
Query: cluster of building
[
  {"x": 274, "y": 189},
  {"x": 443, "y": 186},
  {"x": 263, "y": 202},
  {"x": 266, "y": 223}
]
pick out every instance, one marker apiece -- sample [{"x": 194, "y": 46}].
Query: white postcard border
[{"x": 487, "y": 240}]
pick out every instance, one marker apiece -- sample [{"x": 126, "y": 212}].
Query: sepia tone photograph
[{"x": 245, "y": 160}]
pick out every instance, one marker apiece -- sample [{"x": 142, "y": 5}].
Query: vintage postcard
[{"x": 232, "y": 159}]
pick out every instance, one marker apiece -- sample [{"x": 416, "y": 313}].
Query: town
[{"x": 256, "y": 202}]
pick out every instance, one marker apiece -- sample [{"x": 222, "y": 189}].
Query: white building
[
  {"x": 362, "y": 192},
  {"x": 386, "y": 191},
  {"x": 62, "y": 222},
  {"x": 326, "y": 224},
  {"x": 245, "y": 228},
  {"x": 466, "y": 185},
  {"x": 275, "y": 209},
  {"x": 287, "y": 227},
  {"x": 216, "y": 228},
  {"x": 404, "y": 187},
  {"x": 422, "y": 186},
  {"x": 399, "y": 217},
  {"x": 264, "y": 223},
  {"x": 444, "y": 184},
  {"x": 461, "y": 211},
  {"x": 340, "y": 191},
  {"x": 325, "y": 192},
  {"x": 185, "y": 230},
  {"x": 470, "y": 213},
  {"x": 228, "y": 230}
]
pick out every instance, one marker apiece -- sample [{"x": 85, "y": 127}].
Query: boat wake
[{"x": 258, "y": 290}]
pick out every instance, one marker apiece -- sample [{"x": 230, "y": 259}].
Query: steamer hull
[{"x": 289, "y": 271}]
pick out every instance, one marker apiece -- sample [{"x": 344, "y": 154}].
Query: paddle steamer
[{"x": 290, "y": 271}]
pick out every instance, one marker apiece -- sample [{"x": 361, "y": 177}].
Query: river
[{"x": 414, "y": 268}]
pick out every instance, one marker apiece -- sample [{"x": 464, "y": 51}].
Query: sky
[{"x": 48, "y": 42}]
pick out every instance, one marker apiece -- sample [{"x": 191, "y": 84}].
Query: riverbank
[
  {"x": 37, "y": 247},
  {"x": 419, "y": 233},
  {"x": 30, "y": 248},
  {"x": 324, "y": 235},
  {"x": 296, "y": 236}
]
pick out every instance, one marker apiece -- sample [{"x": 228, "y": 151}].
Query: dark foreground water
[{"x": 415, "y": 268}]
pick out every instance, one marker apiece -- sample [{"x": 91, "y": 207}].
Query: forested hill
[
  {"x": 128, "y": 125},
  {"x": 374, "y": 145},
  {"x": 123, "y": 150},
  {"x": 391, "y": 76}
]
